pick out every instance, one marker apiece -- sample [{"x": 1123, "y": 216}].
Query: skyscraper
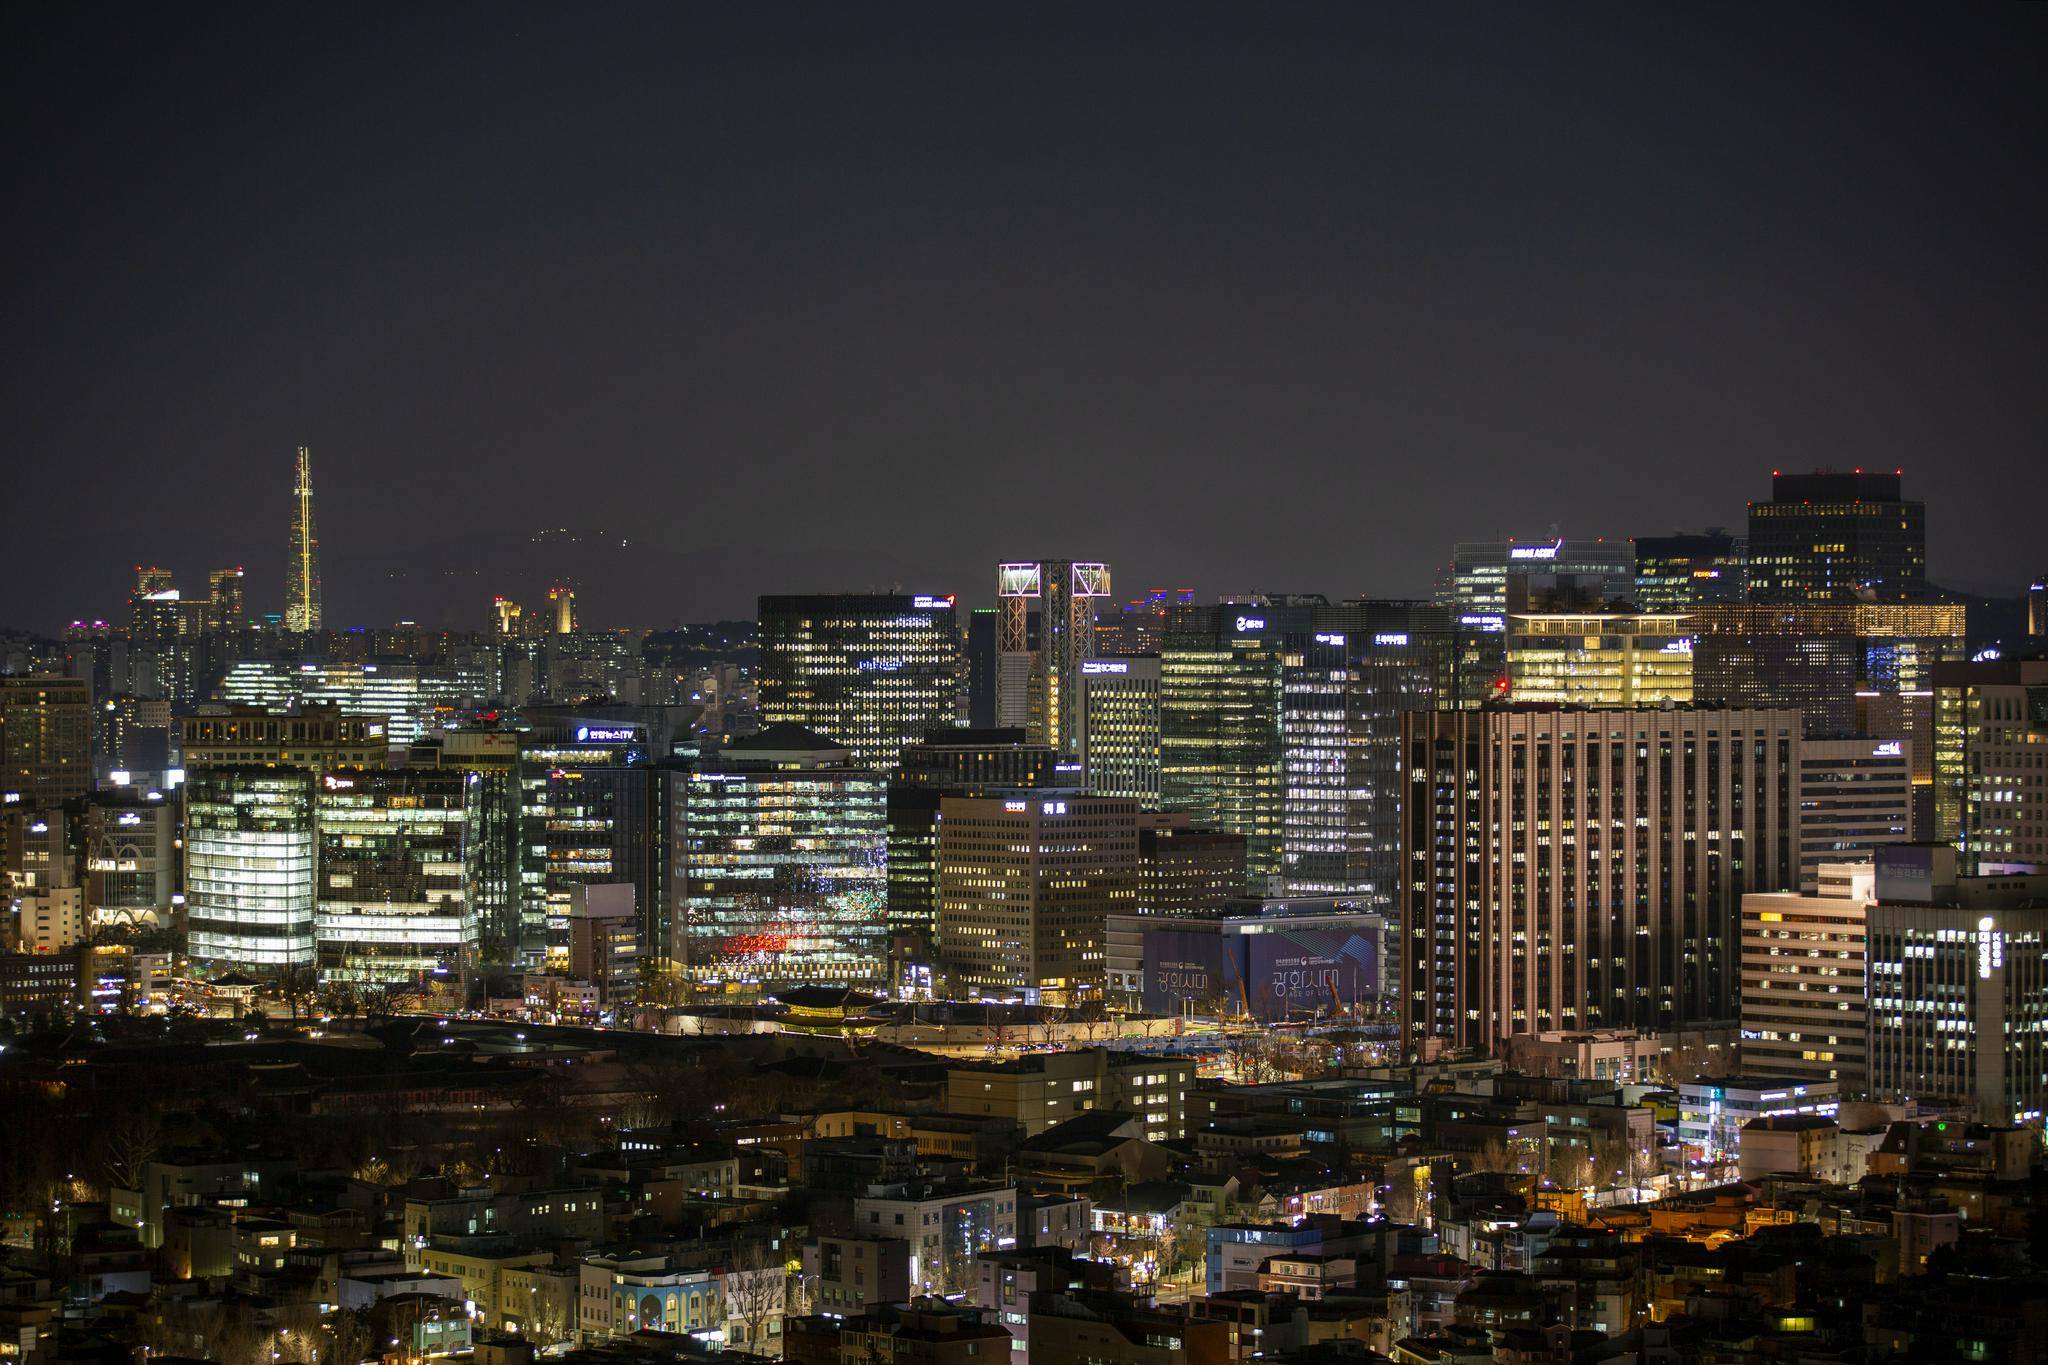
[
  {"x": 1490, "y": 578},
  {"x": 1118, "y": 733},
  {"x": 1599, "y": 659},
  {"x": 1991, "y": 764},
  {"x": 1832, "y": 537},
  {"x": 1036, "y": 681},
  {"x": 1676, "y": 572},
  {"x": 393, "y": 866},
  {"x": 1569, "y": 869},
  {"x": 874, "y": 672},
  {"x": 226, "y": 608},
  {"x": 249, "y": 856},
  {"x": 302, "y": 573},
  {"x": 45, "y": 740}
]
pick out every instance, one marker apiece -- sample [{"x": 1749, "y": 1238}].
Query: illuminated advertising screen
[
  {"x": 1300, "y": 971},
  {"x": 1183, "y": 969}
]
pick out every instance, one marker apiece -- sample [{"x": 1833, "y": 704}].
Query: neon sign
[{"x": 1251, "y": 623}]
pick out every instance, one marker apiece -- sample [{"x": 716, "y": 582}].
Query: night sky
[{"x": 1268, "y": 296}]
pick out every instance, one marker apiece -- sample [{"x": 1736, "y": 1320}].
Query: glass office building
[
  {"x": 873, "y": 672},
  {"x": 394, "y": 876},
  {"x": 249, "y": 854}
]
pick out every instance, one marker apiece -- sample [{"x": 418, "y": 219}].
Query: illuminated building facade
[
  {"x": 1599, "y": 659},
  {"x": 1117, "y": 738},
  {"x": 1831, "y": 537},
  {"x": 591, "y": 811},
  {"x": 1991, "y": 763},
  {"x": 562, "y": 608},
  {"x": 1677, "y": 572},
  {"x": 131, "y": 860},
  {"x": 1490, "y": 578},
  {"x": 2037, "y": 609},
  {"x": 873, "y": 672},
  {"x": 302, "y": 565},
  {"x": 1958, "y": 987},
  {"x": 1280, "y": 722},
  {"x": 950, "y": 763},
  {"x": 1815, "y": 658},
  {"x": 1026, "y": 881},
  {"x": 45, "y": 740},
  {"x": 781, "y": 859},
  {"x": 1854, "y": 794},
  {"x": 226, "y": 607},
  {"x": 1803, "y": 1013},
  {"x": 393, "y": 875},
  {"x": 1036, "y": 678},
  {"x": 319, "y": 738},
  {"x": 404, "y": 694},
  {"x": 249, "y": 858},
  {"x": 1582, "y": 869},
  {"x": 496, "y": 846}
]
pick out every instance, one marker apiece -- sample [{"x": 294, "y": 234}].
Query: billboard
[
  {"x": 1301, "y": 971},
  {"x": 1275, "y": 973}
]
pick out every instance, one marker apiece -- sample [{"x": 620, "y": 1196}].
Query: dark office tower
[
  {"x": 1991, "y": 764},
  {"x": 496, "y": 846},
  {"x": 302, "y": 568},
  {"x": 1678, "y": 572},
  {"x": 873, "y": 672},
  {"x": 226, "y": 608},
  {"x": 1817, "y": 657},
  {"x": 781, "y": 857},
  {"x": 45, "y": 740},
  {"x": 948, "y": 763},
  {"x": 591, "y": 813},
  {"x": 1036, "y": 680},
  {"x": 981, "y": 668},
  {"x": 1184, "y": 871},
  {"x": 249, "y": 858},
  {"x": 392, "y": 875},
  {"x": 1279, "y": 721},
  {"x": 1829, "y": 537},
  {"x": 1570, "y": 869},
  {"x": 2037, "y": 610}
]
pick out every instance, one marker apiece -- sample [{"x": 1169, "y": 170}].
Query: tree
[
  {"x": 756, "y": 1294},
  {"x": 129, "y": 1143},
  {"x": 296, "y": 985}
]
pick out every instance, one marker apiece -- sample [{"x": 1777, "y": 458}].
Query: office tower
[
  {"x": 160, "y": 614},
  {"x": 2037, "y": 609},
  {"x": 1035, "y": 680},
  {"x": 507, "y": 619},
  {"x": 950, "y": 763},
  {"x": 131, "y": 860},
  {"x": 1803, "y": 1014},
  {"x": 1599, "y": 659},
  {"x": 404, "y": 695},
  {"x": 1489, "y": 578},
  {"x": 1137, "y": 626},
  {"x": 1815, "y": 658},
  {"x": 590, "y": 806},
  {"x": 1834, "y": 537},
  {"x": 1958, "y": 986},
  {"x": 562, "y": 608},
  {"x": 981, "y": 665},
  {"x": 1569, "y": 869},
  {"x": 1025, "y": 883},
  {"x": 1991, "y": 763},
  {"x": 1908, "y": 718},
  {"x": 249, "y": 857},
  {"x": 1185, "y": 871},
  {"x": 226, "y": 608},
  {"x": 496, "y": 846},
  {"x": 45, "y": 740},
  {"x": 1854, "y": 794},
  {"x": 781, "y": 860},
  {"x": 316, "y": 737},
  {"x": 872, "y": 672},
  {"x": 604, "y": 941},
  {"x": 1117, "y": 737},
  {"x": 393, "y": 876},
  {"x": 1678, "y": 572},
  {"x": 302, "y": 569},
  {"x": 1280, "y": 721},
  {"x": 149, "y": 579}
]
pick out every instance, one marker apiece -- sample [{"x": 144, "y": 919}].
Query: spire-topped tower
[{"x": 302, "y": 575}]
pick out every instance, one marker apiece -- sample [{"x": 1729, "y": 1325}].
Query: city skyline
[{"x": 875, "y": 295}]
